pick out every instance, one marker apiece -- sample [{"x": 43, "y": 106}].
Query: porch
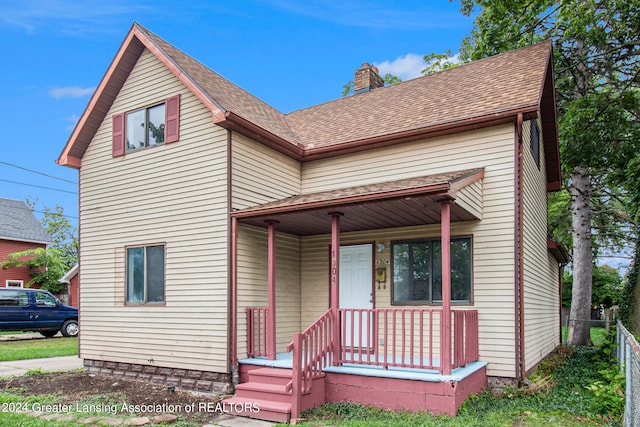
[
  {"x": 396, "y": 364},
  {"x": 401, "y": 358}
]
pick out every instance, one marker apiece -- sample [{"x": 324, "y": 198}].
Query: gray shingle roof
[{"x": 17, "y": 222}]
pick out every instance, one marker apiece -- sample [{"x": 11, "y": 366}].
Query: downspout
[
  {"x": 232, "y": 287},
  {"x": 560, "y": 275},
  {"x": 519, "y": 250}
]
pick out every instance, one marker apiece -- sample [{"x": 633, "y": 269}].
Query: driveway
[{"x": 49, "y": 364}]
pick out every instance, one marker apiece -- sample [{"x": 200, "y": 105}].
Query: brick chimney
[{"x": 366, "y": 78}]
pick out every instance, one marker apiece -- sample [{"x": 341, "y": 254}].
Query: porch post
[
  {"x": 271, "y": 280},
  {"x": 335, "y": 284},
  {"x": 445, "y": 338}
]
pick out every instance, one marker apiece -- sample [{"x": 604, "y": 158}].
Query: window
[
  {"x": 145, "y": 274},
  {"x": 535, "y": 142},
  {"x": 14, "y": 298},
  {"x": 14, "y": 284},
  {"x": 417, "y": 271},
  {"x": 45, "y": 300},
  {"x": 146, "y": 127}
]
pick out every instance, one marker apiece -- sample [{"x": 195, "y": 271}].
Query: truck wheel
[
  {"x": 70, "y": 328},
  {"x": 48, "y": 334}
]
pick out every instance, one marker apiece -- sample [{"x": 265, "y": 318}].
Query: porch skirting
[
  {"x": 395, "y": 388},
  {"x": 438, "y": 397},
  {"x": 186, "y": 379}
]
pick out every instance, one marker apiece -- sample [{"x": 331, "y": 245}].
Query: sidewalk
[
  {"x": 49, "y": 364},
  {"x": 24, "y": 336}
]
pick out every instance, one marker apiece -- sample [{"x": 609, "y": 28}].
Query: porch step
[
  {"x": 271, "y": 376},
  {"x": 262, "y": 391},
  {"x": 260, "y": 409}
]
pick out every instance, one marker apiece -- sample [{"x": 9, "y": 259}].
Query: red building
[
  {"x": 71, "y": 280},
  {"x": 19, "y": 231}
]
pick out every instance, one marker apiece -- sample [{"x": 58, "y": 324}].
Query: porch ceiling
[{"x": 389, "y": 204}]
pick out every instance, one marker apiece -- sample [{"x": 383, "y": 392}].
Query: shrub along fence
[{"x": 628, "y": 354}]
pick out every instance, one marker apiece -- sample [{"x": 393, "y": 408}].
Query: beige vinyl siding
[
  {"x": 260, "y": 174},
  {"x": 541, "y": 300},
  {"x": 493, "y": 236},
  {"x": 253, "y": 286},
  {"x": 470, "y": 198},
  {"x": 173, "y": 194}
]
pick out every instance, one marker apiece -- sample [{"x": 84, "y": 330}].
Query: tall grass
[{"x": 572, "y": 387}]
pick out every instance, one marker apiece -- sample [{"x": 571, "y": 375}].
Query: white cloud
[
  {"x": 67, "y": 16},
  {"x": 406, "y": 67},
  {"x": 71, "y": 92}
]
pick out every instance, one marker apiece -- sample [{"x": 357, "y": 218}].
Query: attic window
[
  {"x": 146, "y": 127},
  {"x": 535, "y": 142}
]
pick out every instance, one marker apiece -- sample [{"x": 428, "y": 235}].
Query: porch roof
[{"x": 405, "y": 202}]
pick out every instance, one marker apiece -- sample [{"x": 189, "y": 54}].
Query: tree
[
  {"x": 606, "y": 291},
  {"x": 64, "y": 234},
  {"x": 596, "y": 59},
  {"x": 45, "y": 265}
]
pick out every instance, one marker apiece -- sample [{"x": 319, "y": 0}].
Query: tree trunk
[{"x": 580, "y": 315}]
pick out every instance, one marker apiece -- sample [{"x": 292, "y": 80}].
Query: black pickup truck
[{"x": 36, "y": 310}]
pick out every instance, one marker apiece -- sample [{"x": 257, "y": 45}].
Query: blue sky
[{"x": 291, "y": 54}]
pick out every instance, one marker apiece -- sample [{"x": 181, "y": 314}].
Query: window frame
[
  {"x": 430, "y": 301},
  {"x": 145, "y": 301},
  {"x": 146, "y": 111},
  {"x": 171, "y": 126},
  {"x": 20, "y": 284}
]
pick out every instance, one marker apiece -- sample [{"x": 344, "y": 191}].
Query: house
[
  {"x": 389, "y": 247},
  {"x": 19, "y": 231},
  {"x": 70, "y": 279}
]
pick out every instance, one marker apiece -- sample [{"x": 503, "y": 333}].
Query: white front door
[{"x": 356, "y": 291}]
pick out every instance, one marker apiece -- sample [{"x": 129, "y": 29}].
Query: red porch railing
[
  {"x": 312, "y": 352},
  {"x": 465, "y": 337},
  {"x": 388, "y": 337},
  {"x": 256, "y": 331},
  {"x": 408, "y": 338}
]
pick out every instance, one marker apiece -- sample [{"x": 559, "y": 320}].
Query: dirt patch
[{"x": 132, "y": 398}]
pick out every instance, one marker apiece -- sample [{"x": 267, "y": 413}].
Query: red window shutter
[
  {"x": 172, "y": 119},
  {"x": 118, "y": 135}
]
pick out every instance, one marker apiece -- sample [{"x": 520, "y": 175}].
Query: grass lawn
[
  {"x": 598, "y": 335},
  {"x": 38, "y": 348}
]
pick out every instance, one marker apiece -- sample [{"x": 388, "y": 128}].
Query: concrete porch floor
[{"x": 285, "y": 361}]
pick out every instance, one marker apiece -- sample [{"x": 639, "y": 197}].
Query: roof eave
[
  {"x": 444, "y": 190},
  {"x": 439, "y": 129},
  {"x": 437, "y": 189},
  {"x": 104, "y": 95},
  {"x": 234, "y": 122},
  {"x": 100, "y": 103},
  {"x": 558, "y": 251},
  {"x": 549, "y": 119},
  {"x": 18, "y": 239}
]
